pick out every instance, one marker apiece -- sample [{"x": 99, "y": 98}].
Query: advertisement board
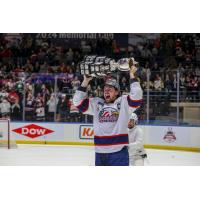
[
  {"x": 86, "y": 132},
  {"x": 37, "y": 131},
  {"x": 168, "y": 135},
  {"x": 83, "y": 134}
]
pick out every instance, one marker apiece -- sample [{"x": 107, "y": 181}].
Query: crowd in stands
[{"x": 38, "y": 78}]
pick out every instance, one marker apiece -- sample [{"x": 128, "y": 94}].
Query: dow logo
[{"x": 32, "y": 131}]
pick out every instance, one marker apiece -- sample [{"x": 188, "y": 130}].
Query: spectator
[
  {"x": 158, "y": 83},
  {"x": 182, "y": 87},
  {"x": 70, "y": 56},
  {"x": 63, "y": 108},
  {"x": 5, "y": 108},
  {"x": 75, "y": 83},
  {"x": 52, "y": 107},
  {"x": 40, "y": 111},
  {"x": 194, "y": 87},
  {"x": 180, "y": 54},
  {"x": 39, "y": 99},
  {"x": 188, "y": 87},
  {"x": 15, "y": 111},
  {"x": 74, "y": 112},
  {"x": 28, "y": 66},
  {"x": 3, "y": 93},
  {"x": 174, "y": 86},
  {"x": 13, "y": 96},
  {"x": 29, "y": 107},
  {"x": 188, "y": 57},
  {"x": 168, "y": 84},
  {"x": 154, "y": 51},
  {"x": 70, "y": 75},
  {"x": 146, "y": 54},
  {"x": 178, "y": 43}
]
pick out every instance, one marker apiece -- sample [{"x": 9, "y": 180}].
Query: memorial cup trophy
[{"x": 102, "y": 66}]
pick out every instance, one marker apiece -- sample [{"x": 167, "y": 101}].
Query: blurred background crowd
[{"x": 38, "y": 77}]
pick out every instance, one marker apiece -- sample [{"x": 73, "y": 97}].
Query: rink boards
[{"x": 161, "y": 137}]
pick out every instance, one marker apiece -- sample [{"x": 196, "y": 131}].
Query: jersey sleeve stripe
[
  {"x": 134, "y": 103},
  {"x": 84, "y": 105}
]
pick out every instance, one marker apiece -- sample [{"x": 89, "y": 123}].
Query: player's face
[
  {"x": 110, "y": 94},
  {"x": 131, "y": 123}
]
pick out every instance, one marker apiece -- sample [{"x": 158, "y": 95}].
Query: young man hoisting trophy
[{"x": 112, "y": 112}]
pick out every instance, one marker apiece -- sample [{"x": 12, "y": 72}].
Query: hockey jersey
[
  {"x": 136, "y": 143},
  {"x": 110, "y": 119}
]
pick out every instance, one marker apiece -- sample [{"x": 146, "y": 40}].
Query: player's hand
[
  {"x": 87, "y": 78},
  {"x": 133, "y": 70},
  {"x": 86, "y": 81}
]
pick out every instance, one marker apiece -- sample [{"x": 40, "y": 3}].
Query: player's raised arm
[
  {"x": 81, "y": 100},
  {"x": 136, "y": 94}
]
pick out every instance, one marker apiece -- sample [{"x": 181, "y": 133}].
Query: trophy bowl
[{"x": 124, "y": 64}]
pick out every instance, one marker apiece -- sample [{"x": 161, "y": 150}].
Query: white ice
[{"x": 29, "y": 155}]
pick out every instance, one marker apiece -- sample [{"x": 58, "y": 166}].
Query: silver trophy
[
  {"x": 124, "y": 64},
  {"x": 101, "y": 66}
]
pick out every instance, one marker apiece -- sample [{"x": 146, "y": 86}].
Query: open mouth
[{"x": 107, "y": 97}]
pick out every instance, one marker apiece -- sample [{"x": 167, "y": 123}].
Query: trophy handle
[{"x": 130, "y": 63}]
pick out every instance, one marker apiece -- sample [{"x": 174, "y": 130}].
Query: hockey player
[
  {"x": 111, "y": 115},
  {"x": 136, "y": 150}
]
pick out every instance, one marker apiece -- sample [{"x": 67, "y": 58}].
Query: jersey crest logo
[{"x": 108, "y": 114}]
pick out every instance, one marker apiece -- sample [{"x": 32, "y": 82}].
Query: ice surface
[{"x": 52, "y": 155}]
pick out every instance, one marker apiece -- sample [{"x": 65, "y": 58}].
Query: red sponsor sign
[{"x": 33, "y": 131}]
